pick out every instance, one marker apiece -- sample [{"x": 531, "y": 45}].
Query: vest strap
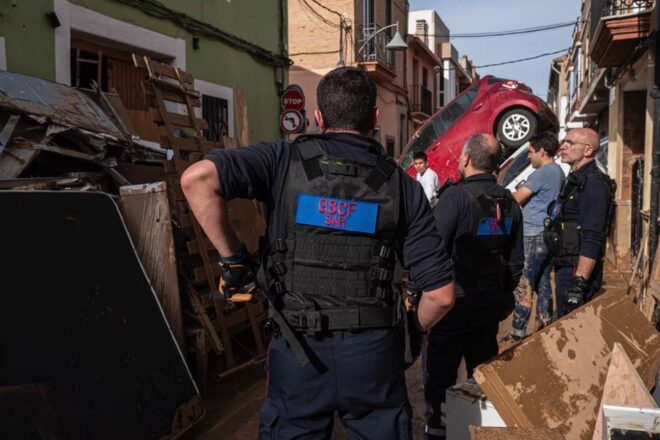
[
  {"x": 309, "y": 153},
  {"x": 380, "y": 173}
]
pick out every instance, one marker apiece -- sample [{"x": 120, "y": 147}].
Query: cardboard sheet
[{"x": 555, "y": 378}]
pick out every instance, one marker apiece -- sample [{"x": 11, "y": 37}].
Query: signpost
[{"x": 292, "y": 118}]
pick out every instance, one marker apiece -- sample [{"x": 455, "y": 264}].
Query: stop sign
[{"x": 293, "y": 98}]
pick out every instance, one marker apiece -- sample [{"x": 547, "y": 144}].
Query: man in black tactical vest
[
  {"x": 481, "y": 225},
  {"x": 343, "y": 220},
  {"x": 578, "y": 220}
]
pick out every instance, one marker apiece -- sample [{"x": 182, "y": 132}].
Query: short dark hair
[
  {"x": 546, "y": 140},
  {"x": 346, "y": 98},
  {"x": 483, "y": 157},
  {"x": 420, "y": 155}
]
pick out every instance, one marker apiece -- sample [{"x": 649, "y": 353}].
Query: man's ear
[
  {"x": 319, "y": 119},
  {"x": 376, "y": 116},
  {"x": 466, "y": 160}
]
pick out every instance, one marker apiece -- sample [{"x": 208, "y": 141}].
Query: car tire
[{"x": 516, "y": 127}]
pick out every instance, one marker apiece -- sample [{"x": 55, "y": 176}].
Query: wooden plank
[
  {"x": 491, "y": 433},
  {"x": 623, "y": 387},
  {"x": 241, "y": 112},
  {"x": 160, "y": 69},
  {"x": 194, "y": 248},
  {"x": 203, "y": 318},
  {"x": 13, "y": 161},
  {"x": 575, "y": 354},
  {"x": 177, "y": 119},
  {"x": 170, "y": 95},
  {"x": 146, "y": 212},
  {"x": 8, "y": 130},
  {"x": 201, "y": 273}
]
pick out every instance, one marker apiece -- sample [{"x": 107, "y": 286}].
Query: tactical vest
[
  {"x": 564, "y": 237},
  {"x": 334, "y": 265},
  {"x": 480, "y": 263}
]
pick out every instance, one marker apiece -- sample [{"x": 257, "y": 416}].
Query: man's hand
[
  {"x": 575, "y": 294},
  {"x": 238, "y": 273}
]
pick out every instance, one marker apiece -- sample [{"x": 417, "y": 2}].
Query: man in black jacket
[
  {"x": 481, "y": 225},
  {"x": 577, "y": 225},
  {"x": 343, "y": 220}
]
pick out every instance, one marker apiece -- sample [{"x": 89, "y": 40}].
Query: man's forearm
[
  {"x": 434, "y": 305},
  {"x": 201, "y": 187},
  {"x": 585, "y": 267}
]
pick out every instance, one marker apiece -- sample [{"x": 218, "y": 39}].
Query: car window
[
  {"x": 493, "y": 79},
  {"x": 510, "y": 172},
  {"x": 439, "y": 124}
]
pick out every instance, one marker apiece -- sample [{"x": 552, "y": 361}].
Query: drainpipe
[{"x": 655, "y": 170}]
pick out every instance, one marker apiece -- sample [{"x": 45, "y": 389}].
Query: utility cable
[
  {"x": 328, "y": 9},
  {"x": 506, "y": 33},
  {"x": 519, "y": 60}
]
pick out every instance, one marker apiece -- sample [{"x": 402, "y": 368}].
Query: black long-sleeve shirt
[
  {"x": 452, "y": 218},
  {"x": 258, "y": 172},
  {"x": 589, "y": 208}
]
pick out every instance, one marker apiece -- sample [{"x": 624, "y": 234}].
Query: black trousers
[{"x": 442, "y": 355}]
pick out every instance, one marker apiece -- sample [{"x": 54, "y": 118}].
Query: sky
[{"x": 472, "y": 16}]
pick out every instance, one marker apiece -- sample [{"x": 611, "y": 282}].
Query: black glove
[
  {"x": 238, "y": 272},
  {"x": 575, "y": 294}
]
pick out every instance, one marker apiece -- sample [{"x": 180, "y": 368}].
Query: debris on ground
[{"x": 555, "y": 378}]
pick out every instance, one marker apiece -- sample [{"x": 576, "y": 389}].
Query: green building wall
[{"x": 30, "y": 45}]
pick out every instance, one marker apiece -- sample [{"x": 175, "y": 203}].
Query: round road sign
[
  {"x": 291, "y": 121},
  {"x": 293, "y": 98}
]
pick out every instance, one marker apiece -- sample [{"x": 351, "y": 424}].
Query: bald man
[
  {"x": 481, "y": 226},
  {"x": 578, "y": 221}
]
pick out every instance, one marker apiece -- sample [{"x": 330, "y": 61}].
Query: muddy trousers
[
  {"x": 536, "y": 278},
  {"x": 359, "y": 376},
  {"x": 441, "y": 358}
]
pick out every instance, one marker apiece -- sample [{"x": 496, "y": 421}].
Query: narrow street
[{"x": 233, "y": 405}]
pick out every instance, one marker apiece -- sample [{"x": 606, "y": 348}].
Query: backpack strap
[{"x": 309, "y": 152}]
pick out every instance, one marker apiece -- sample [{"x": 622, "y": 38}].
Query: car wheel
[{"x": 516, "y": 127}]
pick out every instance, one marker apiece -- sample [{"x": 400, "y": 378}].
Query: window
[
  {"x": 215, "y": 112},
  {"x": 389, "y": 146},
  {"x": 425, "y": 74},
  {"x": 442, "y": 121},
  {"x": 368, "y": 11}
]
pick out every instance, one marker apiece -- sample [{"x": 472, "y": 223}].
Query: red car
[{"x": 506, "y": 108}]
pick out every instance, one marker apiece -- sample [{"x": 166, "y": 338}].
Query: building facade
[
  {"x": 454, "y": 73},
  {"x": 325, "y": 35},
  {"x": 605, "y": 82},
  {"x": 226, "y": 46}
]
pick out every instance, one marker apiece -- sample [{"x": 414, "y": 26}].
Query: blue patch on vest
[
  {"x": 341, "y": 214},
  {"x": 490, "y": 226}
]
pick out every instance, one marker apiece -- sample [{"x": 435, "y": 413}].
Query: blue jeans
[
  {"x": 536, "y": 278},
  {"x": 357, "y": 375}
]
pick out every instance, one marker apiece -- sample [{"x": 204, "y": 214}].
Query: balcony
[
  {"x": 618, "y": 25},
  {"x": 377, "y": 60},
  {"x": 421, "y": 101}
]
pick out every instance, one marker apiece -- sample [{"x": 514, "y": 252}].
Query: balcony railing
[
  {"x": 608, "y": 8},
  {"x": 421, "y": 99},
  {"x": 375, "y": 50}
]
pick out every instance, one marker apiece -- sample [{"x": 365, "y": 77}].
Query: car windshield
[
  {"x": 509, "y": 173},
  {"x": 439, "y": 124}
]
